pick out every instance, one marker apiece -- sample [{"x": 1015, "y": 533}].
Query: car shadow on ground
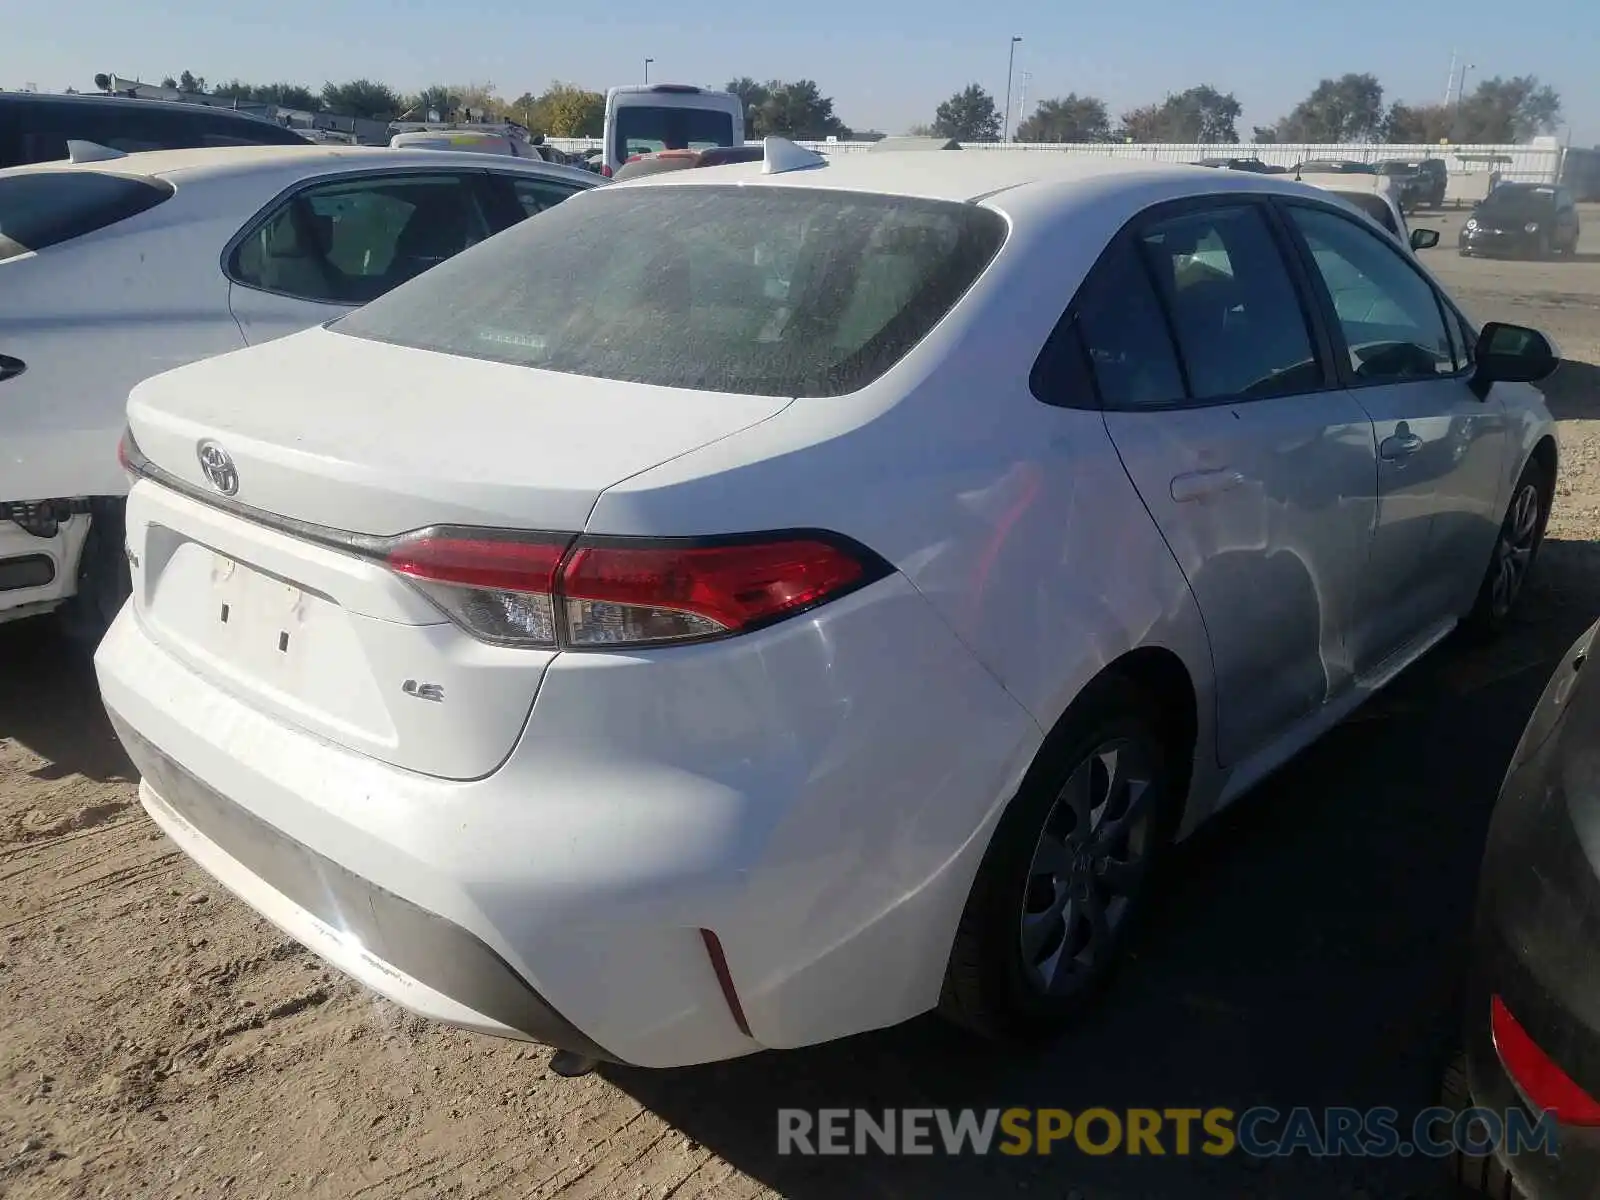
[
  {"x": 50, "y": 703},
  {"x": 1306, "y": 951},
  {"x": 1573, "y": 392}
]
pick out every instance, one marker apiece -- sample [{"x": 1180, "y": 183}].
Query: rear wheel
[
  {"x": 1480, "y": 1174},
  {"x": 104, "y": 581},
  {"x": 1545, "y": 249},
  {"x": 1067, "y": 872},
  {"x": 1515, "y": 549}
]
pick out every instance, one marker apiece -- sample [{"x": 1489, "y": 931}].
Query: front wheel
[
  {"x": 1515, "y": 549},
  {"x": 1066, "y": 873}
]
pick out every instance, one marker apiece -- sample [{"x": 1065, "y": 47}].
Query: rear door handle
[
  {"x": 1398, "y": 446},
  {"x": 1196, "y": 485},
  {"x": 10, "y": 367}
]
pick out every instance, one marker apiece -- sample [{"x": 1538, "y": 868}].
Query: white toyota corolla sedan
[{"x": 754, "y": 605}]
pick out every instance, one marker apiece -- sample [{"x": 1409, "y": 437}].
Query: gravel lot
[{"x": 160, "y": 1040}]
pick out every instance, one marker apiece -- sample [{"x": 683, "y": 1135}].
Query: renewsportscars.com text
[{"x": 1260, "y": 1132}]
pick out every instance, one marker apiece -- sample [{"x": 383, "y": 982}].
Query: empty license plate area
[{"x": 288, "y": 648}]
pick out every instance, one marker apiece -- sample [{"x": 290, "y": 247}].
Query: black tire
[
  {"x": 1479, "y": 1174},
  {"x": 1491, "y": 612},
  {"x": 1544, "y": 250},
  {"x": 990, "y": 986},
  {"x": 104, "y": 581}
]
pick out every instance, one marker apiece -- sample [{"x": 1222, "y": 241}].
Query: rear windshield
[
  {"x": 1509, "y": 198},
  {"x": 642, "y": 129},
  {"x": 770, "y": 291},
  {"x": 40, "y": 210},
  {"x": 38, "y": 131}
]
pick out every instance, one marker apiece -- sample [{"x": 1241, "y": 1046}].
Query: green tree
[
  {"x": 752, "y": 95},
  {"x": 968, "y": 116},
  {"x": 1069, "y": 118},
  {"x": 190, "y": 82},
  {"x": 167, "y": 81},
  {"x": 1347, "y": 109},
  {"x": 1414, "y": 124},
  {"x": 568, "y": 110},
  {"x": 1197, "y": 115},
  {"x": 1508, "y": 110},
  {"x": 797, "y": 110},
  {"x": 361, "y": 98},
  {"x": 103, "y": 82}
]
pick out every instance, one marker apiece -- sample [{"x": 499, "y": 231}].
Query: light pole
[
  {"x": 647, "y": 63},
  {"x": 1461, "y": 85},
  {"x": 1011, "y": 62}
]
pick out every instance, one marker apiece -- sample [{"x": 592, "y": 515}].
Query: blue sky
[{"x": 886, "y": 65}]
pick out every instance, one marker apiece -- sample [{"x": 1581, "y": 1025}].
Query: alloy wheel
[
  {"x": 1089, "y": 865},
  {"x": 1514, "y": 551}
]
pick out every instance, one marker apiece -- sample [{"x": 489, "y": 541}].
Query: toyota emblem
[{"x": 216, "y": 464}]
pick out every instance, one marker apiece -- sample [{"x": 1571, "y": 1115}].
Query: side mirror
[
  {"x": 1513, "y": 354},
  {"x": 1424, "y": 239}
]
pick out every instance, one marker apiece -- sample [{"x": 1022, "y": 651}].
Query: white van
[{"x": 645, "y": 119}]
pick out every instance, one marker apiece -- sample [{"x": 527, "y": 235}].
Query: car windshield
[
  {"x": 784, "y": 292},
  {"x": 1510, "y": 200},
  {"x": 646, "y": 129}
]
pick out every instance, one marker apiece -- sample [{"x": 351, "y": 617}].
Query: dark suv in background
[
  {"x": 36, "y": 128},
  {"x": 1421, "y": 180},
  {"x": 1522, "y": 220}
]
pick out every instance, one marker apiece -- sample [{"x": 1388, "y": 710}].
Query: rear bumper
[
  {"x": 38, "y": 573},
  {"x": 415, "y": 957},
  {"x": 817, "y": 795}
]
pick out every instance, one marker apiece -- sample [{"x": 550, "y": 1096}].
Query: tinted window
[
  {"x": 1121, "y": 331},
  {"x": 134, "y": 126},
  {"x": 1511, "y": 200},
  {"x": 40, "y": 210},
  {"x": 349, "y": 241},
  {"x": 779, "y": 292},
  {"x": 645, "y": 130},
  {"x": 1389, "y": 314},
  {"x": 536, "y": 195},
  {"x": 1233, "y": 306}
]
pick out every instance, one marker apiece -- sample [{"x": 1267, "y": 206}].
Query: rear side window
[
  {"x": 50, "y": 207},
  {"x": 1373, "y": 206},
  {"x": 1117, "y": 328},
  {"x": 776, "y": 292},
  {"x": 642, "y": 129},
  {"x": 1234, "y": 308}
]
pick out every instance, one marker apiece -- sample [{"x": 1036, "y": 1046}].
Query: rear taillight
[
  {"x": 1546, "y": 1086},
  {"x": 598, "y": 593},
  {"x": 605, "y": 169},
  {"x": 130, "y": 458},
  {"x": 498, "y": 588}
]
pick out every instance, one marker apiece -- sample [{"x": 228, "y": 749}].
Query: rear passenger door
[
  {"x": 329, "y": 245},
  {"x": 1257, "y": 467},
  {"x": 1404, "y": 355}
]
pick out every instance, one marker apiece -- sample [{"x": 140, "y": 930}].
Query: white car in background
[
  {"x": 116, "y": 267},
  {"x": 751, "y": 605}
]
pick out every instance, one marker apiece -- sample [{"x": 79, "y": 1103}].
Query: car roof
[
  {"x": 211, "y": 162},
  {"x": 966, "y": 174},
  {"x": 97, "y": 100}
]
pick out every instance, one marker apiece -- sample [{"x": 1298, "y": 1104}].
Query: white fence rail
[{"x": 1529, "y": 164}]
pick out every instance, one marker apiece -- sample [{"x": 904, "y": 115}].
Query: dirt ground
[{"x": 158, "y": 1040}]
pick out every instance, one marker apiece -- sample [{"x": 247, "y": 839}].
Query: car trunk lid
[{"x": 279, "y": 472}]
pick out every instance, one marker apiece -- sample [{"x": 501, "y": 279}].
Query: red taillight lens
[
  {"x": 612, "y": 592},
  {"x": 1546, "y": 1085},
  {"x": 498, "y": 588},
  {"x": 129, "y": 457},
  {"x": 605, "y": 170},
  {"x": 615, "y": 594}
]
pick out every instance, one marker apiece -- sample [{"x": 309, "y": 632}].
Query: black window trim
[
  {"x": 1330, "y": 315},
  {"x": 1066, "y": 337},
  {"x": 476, "y": 177}
]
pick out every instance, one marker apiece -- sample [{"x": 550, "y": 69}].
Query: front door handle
[
  {"x": 10, "y": 367},
  {"x": 1197, "y": 485},
  {"x": 1398, "y": 446}
]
